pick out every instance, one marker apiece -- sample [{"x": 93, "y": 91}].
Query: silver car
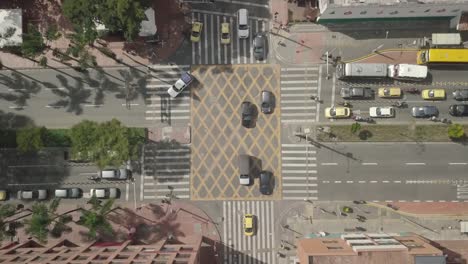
[
  {"x": 105, "y": 193},
  {"x": 260, "y": 47},
  {"x": 32, "y": 194},
  {"x": 68, "y": 193}
]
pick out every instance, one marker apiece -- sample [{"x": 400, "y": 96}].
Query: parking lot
[{"x": 218, "y": 136}]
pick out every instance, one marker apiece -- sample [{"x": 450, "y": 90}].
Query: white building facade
[{"x": 338, "y": 11}]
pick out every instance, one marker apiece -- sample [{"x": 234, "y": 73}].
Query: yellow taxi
[
  {"x": 249, "y": 225},
  {"x": 225, "y": 35},
  {"x": 337, "y": 112},
  {"x": 196, "y": 31},
  {"x": 390, "y": 92},
  {"x": 433, "y": 94},
  {"x": 3, "y": 195}
]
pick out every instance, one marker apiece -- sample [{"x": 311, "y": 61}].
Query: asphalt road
[
  {"x": 63, "y": 97},
  {"x": 393, "y": 171},
  {"x": 449, "y": 80}
]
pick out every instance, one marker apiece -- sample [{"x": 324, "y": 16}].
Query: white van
[{"x": 242, "y": 23}]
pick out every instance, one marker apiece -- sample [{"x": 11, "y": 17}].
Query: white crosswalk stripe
[
  {"x": 209, "y": 49},
  {"x": 160, "y": 106},
  {"x": 166, "y": 169},
  {"x": 244, "y": 249},
  {"x": 299, "y": 171},
  {"x": 298, "y": 84}
]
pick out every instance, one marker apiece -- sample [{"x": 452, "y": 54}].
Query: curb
[{"x": 443, "y": 216}]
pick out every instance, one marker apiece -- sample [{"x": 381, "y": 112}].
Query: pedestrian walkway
[
  {"x": 166, "y": 172},
  {"x": 160, "y": 106},
  {"x": 240, "y": 248},
  {"x": 462, "y": 192},
  {"x": 299, "y": 171},
  {"x": 298, "y": 84},
  {"x": 209, "y": 49}
]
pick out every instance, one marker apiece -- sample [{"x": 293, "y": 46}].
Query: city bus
[{"x": 442, "y": 56}]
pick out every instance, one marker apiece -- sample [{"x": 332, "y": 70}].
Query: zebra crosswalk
[
  {"x": 160, "y": 106},
  {"x": 209, "y": 49},
  {"x": 166, "y": 172},
  {"x": 258, "y": 248},
  {"x": 299, "y": 171},
  {"x": 462, "y": 192},
  {"x": 298, "y": 84}
]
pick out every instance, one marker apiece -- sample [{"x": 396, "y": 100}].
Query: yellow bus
[{"x": 427, "y": 56}]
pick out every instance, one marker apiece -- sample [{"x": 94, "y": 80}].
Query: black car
[
  {"x": 458, "y": 110},
  {"x": 424, "y": 111},
  {"x": 460, "y": 95},
  {"x": 266, "y": 182},
  {"x": 356, "y": 93},
  {"x": 248, "y": 112},
  {"x": 268, "y": 102}
]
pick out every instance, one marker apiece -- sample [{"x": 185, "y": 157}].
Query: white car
[
  {"x": 105, "y": 193},
  {"x": 385, "y": 111},
  {"x": 180, "y": 85}
]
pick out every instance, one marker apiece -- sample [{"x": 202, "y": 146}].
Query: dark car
[
  {"x": 260, "y": 46},
  {"x": 266, "y": 182},
  {"x": 424, "y": 111},
  {"x": 458, "y": 110},
  {"x": 268, "y": 102},
  {"x": 356, "y": 93},
  {"x": 247, "y": 114},
  {"x": 460, "y": 95},
  {"x": 32, "y": 194}
]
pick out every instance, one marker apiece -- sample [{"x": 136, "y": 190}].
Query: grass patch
[{"x": 387, "y": 133}]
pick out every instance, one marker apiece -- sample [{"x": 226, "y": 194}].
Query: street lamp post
[{"x": 376, "y": 49}]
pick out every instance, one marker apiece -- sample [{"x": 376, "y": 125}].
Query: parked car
[
  {"x": 248, "y": 111},
  {"x": 337, "y": 112},
  {"x": 268, "y": 102},
  {"x": 389, "y": 92},
  {"x": 3, "y": 195},
  {"x": 347, "y": 210},
  {"x": 260, "y": 46},
  {"x": 68, "y": 193},
  {"x": 433, "y": 94},
  {"x": 424, "y": 111},
  {"x": 266, "y": 178},
  {"x": 458, "y": 110},
  {"x": 249, "y": 224},
  {"x": 225, "y": 33},
  {"x": 180, "y": 84},
  {"x": 384, "y": 111},
  {"x": 460, "y": 95},
  {"x": 114, "y": 174},
  {"x": 105, "y": 193},
  {"x": 32, "y": 194},
  {"x": 196, "y": 31},
  {"x": 356, "y": 93}
]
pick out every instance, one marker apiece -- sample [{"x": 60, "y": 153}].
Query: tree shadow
[
  {"x": 20, "y": 86},
  {"x": 73, "y": 96}
]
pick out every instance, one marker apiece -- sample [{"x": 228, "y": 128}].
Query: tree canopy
[
  {"x": 117, "y": 15},
  {"x": 456, "y": 131},
  {"x": 33, "y": 43},
  {"x": 31, "y": 139},
  {"x": 95, "y": 219},
  {"x": 108, "y": 143},
  {"x": 42, "y": 216}
]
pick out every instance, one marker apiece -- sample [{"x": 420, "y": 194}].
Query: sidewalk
[
  {"x": 171, "y": 26},
  {"x": 431, "y": 210}
]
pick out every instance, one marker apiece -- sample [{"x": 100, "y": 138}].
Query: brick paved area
[
  {"x": 435, "y": 208},
  {"x": 390, "y": 57},
  {"x": 218, "y": 137}
]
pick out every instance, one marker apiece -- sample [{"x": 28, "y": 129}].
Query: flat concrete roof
[
  {"x": 11, "y": 19},
  {"x": 392, "y": 2}
]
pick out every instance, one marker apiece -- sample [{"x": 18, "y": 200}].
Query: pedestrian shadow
[{"x": 319, "y": 145}]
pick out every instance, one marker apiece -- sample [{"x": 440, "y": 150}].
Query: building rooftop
[
  {"x": 392, "y": 2},
  {"x": 11, "y": 24}
]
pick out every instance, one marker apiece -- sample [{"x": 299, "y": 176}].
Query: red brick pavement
[
  {"x": 433, "y": 208},
  {"x": 310, "y": 47}
]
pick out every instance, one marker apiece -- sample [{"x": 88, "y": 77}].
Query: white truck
[
  {"x": 410, "y": 72},
  {"x": 380, "y": 71},
  {"x": 440, "y": 40}
]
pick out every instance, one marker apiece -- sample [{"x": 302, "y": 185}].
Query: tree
[
  {"x": 43, "y": 61},
  {"x": 108, "y": 143},
  {"x": 41, "y": 218},
  {"x": 6, "y": 210},
  {"x": 95, "y": 219},
  {"x": 456, "y": 131},
  {"x": 355, "y": 127},
  {"x": 52, "y": 33},
  {"x": 31, "y": 139},
  {"x": 33, "y": 43}
]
